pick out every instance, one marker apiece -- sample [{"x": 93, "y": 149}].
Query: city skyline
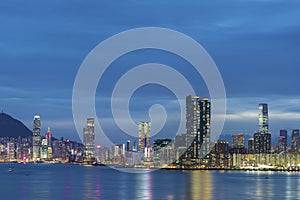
[
  {"x": 257, "y": 59},
  {"x": 262, "y": 119},
  {"x": 150, "y": 99},
  {"x": 192, "y": 150}
]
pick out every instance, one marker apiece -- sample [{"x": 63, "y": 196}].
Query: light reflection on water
[
  {"x": 78, "y": 182},
  {"x": 143, "y": 186},
  {"x": 201, "y": 185}
]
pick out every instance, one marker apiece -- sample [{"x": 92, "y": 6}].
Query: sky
[{"x": 254, "y": 43}]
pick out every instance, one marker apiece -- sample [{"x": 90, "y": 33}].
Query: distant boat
[{"x": 10, "y": 170}]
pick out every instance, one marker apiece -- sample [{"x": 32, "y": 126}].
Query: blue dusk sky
[{"x": 254, "y": 43}]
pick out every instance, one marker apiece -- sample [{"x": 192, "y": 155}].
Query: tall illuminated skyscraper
[
  {"x": 295, "y": 139},
  {"x": 204, "y": 126},
  {"x": 44, "y": 149},
  {"x": 36, "y": 138},
  {"x": 49, "y": 143},
  {"x": 263, "y": 118},
  {"x": 89, "y": 138},
  {"x": 197, "y": 126},
  {"x": 282, "y": 141},
  {"x": 144, "y": 135},
  {"x": 192, "y": 122},
  {"x": 128, "y": 146}
]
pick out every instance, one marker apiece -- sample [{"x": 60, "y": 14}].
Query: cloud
[{"x": 254, "y": 43}]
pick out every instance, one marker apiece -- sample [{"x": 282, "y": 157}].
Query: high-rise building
[
  {"x": 36, "y": 137},
  {"x": 238, "y": 141},
  {"x": 251, "y": 145},
  {"x": 295, "y": 136},
  {"x": 263, "y": 119},
  {"x": 221, "y": 147},
  {"x": 220, "y": 154},
  {"x": 134, "y": 147},
  {"x": 49, "y": 143},
  {"x": 204, "y": 126},
  {"x": 89, "y": 138},
  {"x": 11, "y": 148},
  {"x": 262, "y": 143},
  {"x": 128, "y": 146},
  {"x": 144, "y": 135},
  {"x": 192, "y": 123},
  {"x": 44, "y": 149},
  {"x": 282, "y": 141},
  {"x": 197, "y": 126}
]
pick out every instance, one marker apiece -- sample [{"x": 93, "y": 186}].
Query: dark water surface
[{"x": 61, "y": 181}]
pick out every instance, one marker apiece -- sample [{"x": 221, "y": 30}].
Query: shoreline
[{"x": 167, "y": 168}]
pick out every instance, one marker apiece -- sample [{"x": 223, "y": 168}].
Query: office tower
[
  {"x": 116, "y": 150},
  {"x": 263, "y": 120},
  {"x": 123, "y": 150},
  {"x": 11, "y": 149},
  {"x": 197, "y": 126},
  {"x": 144, "y": 135},
  {"x": 134, "y": 147},
  {"x": 49, "y": 143},
  {"x": 128, "y": 146},
  {"x": 282, "y": 141},
  {"x": 44, "y": 149},
  {"x": 89, "y": 138},
  {"x": 49, "y": 137},
  {"x": 262, "y": 143},
  {"x": 238, "y": 141},
  {"x": 148, "y": 151},
  {"x": 295, "y": 136},
  {"x": 36, "y": 137},
  {"x": 251, "y": 145}
]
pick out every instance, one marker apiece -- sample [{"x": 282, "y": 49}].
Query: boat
[{"x": 10, "y": 170}]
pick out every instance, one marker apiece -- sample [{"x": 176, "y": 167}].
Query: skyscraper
[
  {"x": 89, "y": 138},
  {"x": 295, "y": 136},
  {"x": 44, "y": 149},
  {"x": 197, "y": 126},
  {"x": 49, "y": 143},
  {"x": 144, "y": 135},
  {"x": 262, "y": 143},
  {"x": 238, "y": 141},
  {"x": 251, "y": 145},
  {"x": 282, "y": 141},
  {"x": 263, "y": 119},
  {"x": 128, "y": 146},
  {"x": 36, "y": 137},
  {"x": 204, "y": 126}
]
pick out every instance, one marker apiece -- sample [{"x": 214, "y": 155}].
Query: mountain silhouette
[{"x": 10, "y": 127}]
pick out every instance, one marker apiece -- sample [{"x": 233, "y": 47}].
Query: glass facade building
[
  {"x": 144, "y": 135},
  {"x": 89, "y": 138},
  {"x": 282, "y": 141},
  {"x": 295, "y": 139},
  {"x": 262, "y": 143},
  {"x": 197, "y": 126},
  {"x": 36, "y": 138},
  {"x": 263, "y": 119}
]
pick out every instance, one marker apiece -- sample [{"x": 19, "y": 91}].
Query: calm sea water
[{"x": 60, "y": 181}]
